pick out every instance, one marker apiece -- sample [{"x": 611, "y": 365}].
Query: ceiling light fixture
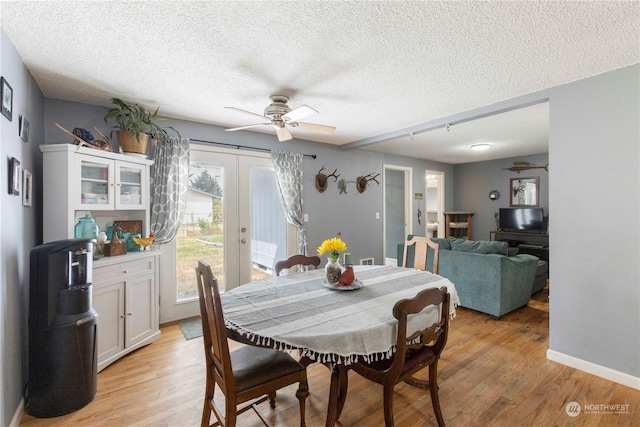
[{"x": 481, "y": 146}]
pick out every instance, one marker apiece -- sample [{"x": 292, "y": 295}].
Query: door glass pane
[
  {"x": 201, "y": 233},
  {"x": 130, "y": 185},
  {"x": 268, "y": 224},
  {"x": 94, "y": 179}
]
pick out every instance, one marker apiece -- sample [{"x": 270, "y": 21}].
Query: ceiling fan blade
[
  {"x": 247, "y": 112},
  {"x": 283, "y": 133},
  {"x": 246, "y": 127},
  {"x": 299, "y": 113},
  {"x": 312, "y": 127}
]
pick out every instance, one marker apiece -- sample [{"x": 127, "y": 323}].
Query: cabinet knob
[
  {"x": 129, "y": 314},
  {"x": 122, "y": 316},
  {"x": 125, "y": 271}
]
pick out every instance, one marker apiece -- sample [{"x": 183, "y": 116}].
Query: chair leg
[
  {"x": 302, "y": 393},
  {"x": 433, "y": 388},
  {"x": 272, "y": 399},
  {"x": 206, "y": 413},
  {"x": 230, "y": 412},
  {"x": 206, "y": 410},
  {"x": 388, "y": 405}
]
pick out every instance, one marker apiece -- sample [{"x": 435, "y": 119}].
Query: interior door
[
  {"x": 397, "y": 209},
  {"x": 233, "y": 220}
]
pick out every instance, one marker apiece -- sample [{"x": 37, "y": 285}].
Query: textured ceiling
[{"x": 370, "y": 68}]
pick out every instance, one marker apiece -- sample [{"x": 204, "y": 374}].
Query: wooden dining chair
[
  {"x": 422, "y": 245},
  {"x": 310, "y": 261},
  {"x": 413, "y": 352},
  {"x": 248, "y": 375}
]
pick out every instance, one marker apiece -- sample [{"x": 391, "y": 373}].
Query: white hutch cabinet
[{"x": 110, "y": 187}]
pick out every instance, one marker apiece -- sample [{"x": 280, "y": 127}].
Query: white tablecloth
[{"x": 297, "y": 312}]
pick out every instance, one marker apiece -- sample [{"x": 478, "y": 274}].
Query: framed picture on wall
[
  {"x": 23, "y": 130},
  {"x": 27, "y": 187},
  {"x": 15, "y": 177},
  {"x": 7, "y": 99},
  {"x": 524, "y": 191}
]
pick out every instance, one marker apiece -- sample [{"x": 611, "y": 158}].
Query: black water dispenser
[{"x": 62, "y": 329}]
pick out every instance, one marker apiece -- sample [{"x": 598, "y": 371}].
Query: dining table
[{"x": 333, "y": 325}]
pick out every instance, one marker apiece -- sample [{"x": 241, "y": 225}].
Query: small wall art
[
  {"x": 24, "y": 129},
  {"x": 524, "y": 191},
  {"x": 7, "y": 99},
  {"x": 15, "y": 177},
  {"x": 27, "y": 187}
]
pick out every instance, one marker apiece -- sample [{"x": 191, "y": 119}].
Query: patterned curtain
[
  {"x": 288, "y": 169},
  {"x": 169, "y": 183}
]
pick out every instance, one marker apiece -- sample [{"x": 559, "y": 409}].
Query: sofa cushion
[
  {"x": 444, "y": 243},
  {"x": 480, "y": 246}
]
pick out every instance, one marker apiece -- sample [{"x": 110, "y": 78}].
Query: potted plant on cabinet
[{"x": 134, "y": 126}]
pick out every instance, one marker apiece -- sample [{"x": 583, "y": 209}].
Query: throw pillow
[
  {"x": 512, "y": 251},
  {"x": 480, "y": 246}
]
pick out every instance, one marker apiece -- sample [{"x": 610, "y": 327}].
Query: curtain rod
[{"x": 313, "y": 156}]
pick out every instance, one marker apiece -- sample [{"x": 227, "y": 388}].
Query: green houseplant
[{"x": 134, "y": 125}]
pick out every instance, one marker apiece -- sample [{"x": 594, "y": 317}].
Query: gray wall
[
  {"x": 474, "y": 181},
  {"x": 353, "y": 214},
  {"x": 594, "y": 151},
  {"x": 20, "y": 228}
]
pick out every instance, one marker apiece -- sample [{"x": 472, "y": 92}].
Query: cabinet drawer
[{"x": 110, "y": 273}]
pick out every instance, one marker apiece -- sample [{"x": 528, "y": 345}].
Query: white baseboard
[
  {"x": 17, "y": 416},
  {"x": 597, "y": 370}
]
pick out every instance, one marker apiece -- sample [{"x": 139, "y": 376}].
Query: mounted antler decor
[
  {"x": 363, "y": 181},
  {"x": 322, "y": 180}
]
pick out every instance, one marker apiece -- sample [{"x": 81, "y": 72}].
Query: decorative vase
[
  {"x": 86, "y": 228},
  {"x": 333, "y": 270}
]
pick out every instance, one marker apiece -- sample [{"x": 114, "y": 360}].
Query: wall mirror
[{"x": 524, "y": 191}]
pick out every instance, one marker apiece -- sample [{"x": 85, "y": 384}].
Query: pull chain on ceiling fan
[{"x": 279, "y": 115}]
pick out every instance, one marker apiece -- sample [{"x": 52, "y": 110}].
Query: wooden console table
[{"x": 536, "y": 244}]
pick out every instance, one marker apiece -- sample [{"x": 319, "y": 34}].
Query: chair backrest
[
  {"x": 311, "y": 261},
  {"x": 214, "y": 333},
  {"x": 433, "y": 335},
  {"x": 421, "y": 245}
]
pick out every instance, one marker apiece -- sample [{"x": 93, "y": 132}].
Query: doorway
[
  {"x": 434, "y": 203},
  {"x": 396, "y": 210},
  {"x": 233, "y": 220}
]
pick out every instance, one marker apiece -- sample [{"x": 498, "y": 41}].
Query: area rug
[{"x": 191, "y": 328}]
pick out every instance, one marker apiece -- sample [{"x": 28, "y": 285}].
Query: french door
[{"x": 233, "y": 220}]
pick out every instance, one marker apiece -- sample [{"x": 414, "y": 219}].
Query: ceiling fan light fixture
[
  {"x": 279, "y": 115},
  {"x": 481, "y": 146}
]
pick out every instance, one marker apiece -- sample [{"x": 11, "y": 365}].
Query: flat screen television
[{"x": 524, "y": 220}]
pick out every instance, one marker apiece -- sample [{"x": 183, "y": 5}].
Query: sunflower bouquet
[{"x": 333, "y": 246}]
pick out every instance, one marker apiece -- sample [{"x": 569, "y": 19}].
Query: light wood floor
[{"x": 492, "y": 373}]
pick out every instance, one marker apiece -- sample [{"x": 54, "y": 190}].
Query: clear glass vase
[{"x": 333, "y": 270}]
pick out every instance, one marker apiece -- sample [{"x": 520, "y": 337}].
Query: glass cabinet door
[
  {"x": 96, "y": 179},
  {"x": 130, "y": 186}
]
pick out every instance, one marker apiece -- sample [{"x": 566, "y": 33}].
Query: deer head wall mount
[
  {"x": 363, "y": 181},
  {"x": 322, "y": 180}
]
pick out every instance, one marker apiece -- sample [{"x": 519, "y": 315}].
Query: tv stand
[{"x": 536, "y": 244}]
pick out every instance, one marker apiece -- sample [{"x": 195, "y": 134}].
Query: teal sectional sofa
[{"x": 486, "y": 277}]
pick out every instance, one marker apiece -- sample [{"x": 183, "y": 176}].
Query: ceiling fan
[{"x": 279, "y": 115}]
